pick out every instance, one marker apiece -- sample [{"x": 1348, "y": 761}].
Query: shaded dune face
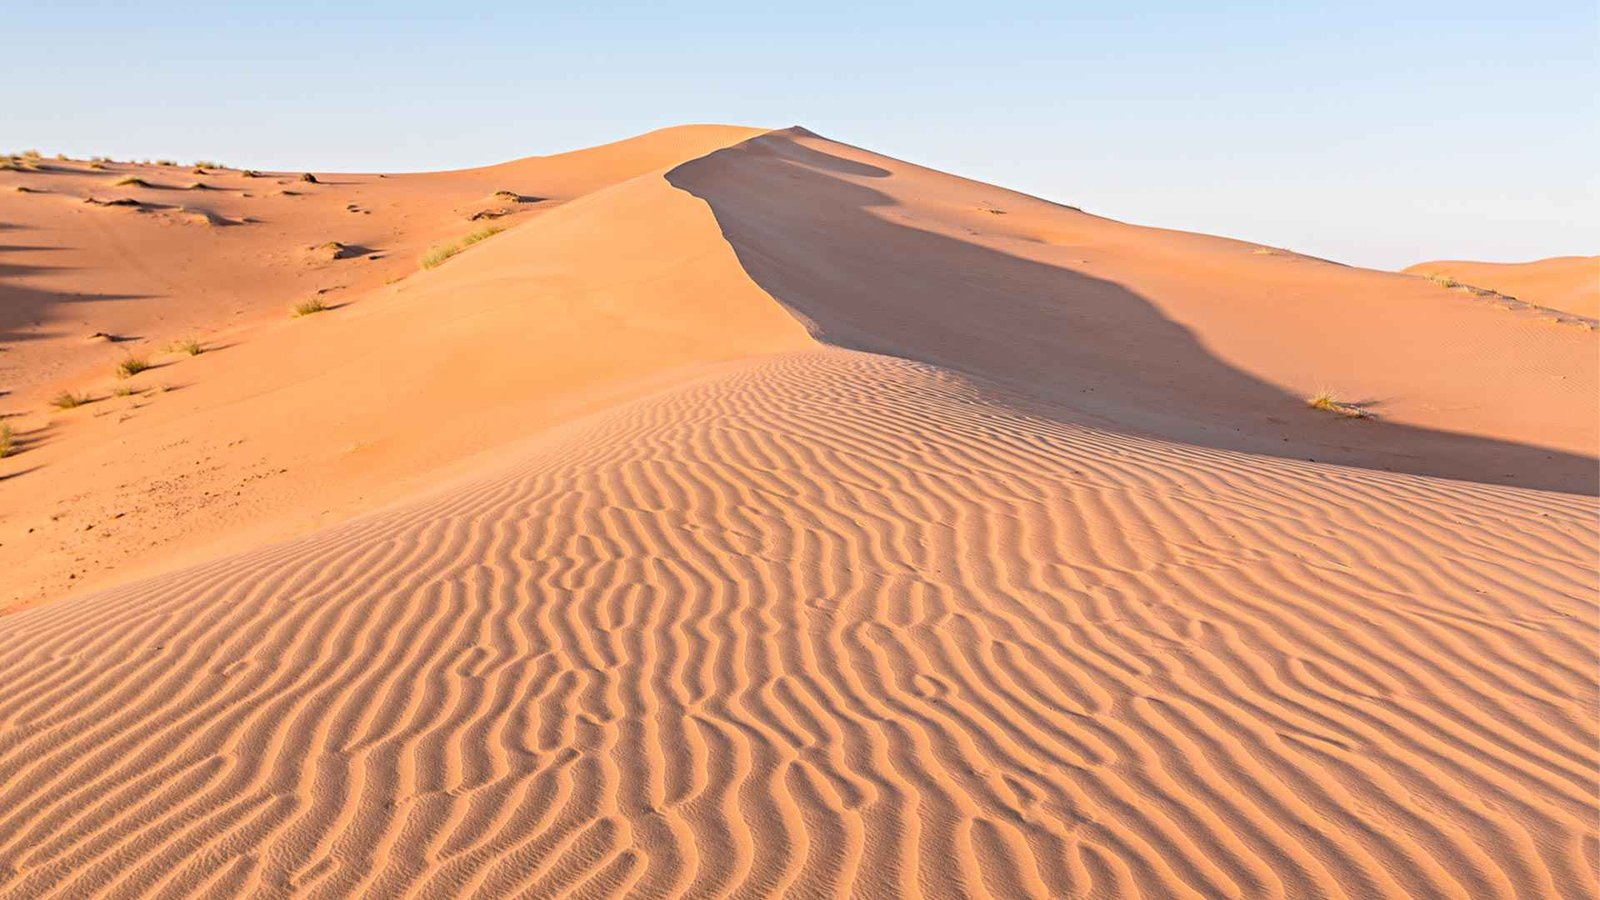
[
  {"x": 812, "y": 230},
  {"x": 834, "y": 624}
]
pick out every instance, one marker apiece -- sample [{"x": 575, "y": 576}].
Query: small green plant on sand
[{"x": 131, "y": 366}]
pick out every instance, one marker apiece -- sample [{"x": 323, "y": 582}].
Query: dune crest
[{"x": 1570, "y": 284}]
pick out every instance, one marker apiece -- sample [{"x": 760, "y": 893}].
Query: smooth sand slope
[
  {"x": 1567, "y": 283},
  {"x": 790, "y": 520}
]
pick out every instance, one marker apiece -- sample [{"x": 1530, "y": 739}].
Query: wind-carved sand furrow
[
  {"x": 835, "y": 624},
  {"x": 1458, "y": 725},
  {"x": 134, "y": 739}
]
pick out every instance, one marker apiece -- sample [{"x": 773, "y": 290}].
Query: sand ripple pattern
[{"x": 835, "y": 625}]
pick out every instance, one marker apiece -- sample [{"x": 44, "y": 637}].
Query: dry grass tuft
[
  {"x": 309, "y": 307},
  {"x": 131, "y": 366},
  {"x": 7, "y": 440},
  {"x": 69, "y": 400},
  {"x": 481, "y": 235},
  {"x": 437, "y": 255},
  {"x": 188, "y": 346},
  {"x": 130, "y": 181},
  {"x": 1326, "y": 401}
]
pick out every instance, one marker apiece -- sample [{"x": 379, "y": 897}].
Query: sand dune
[
  {"x": 829, "y": 624},
  {"x": 1570, "y": 284},
  {"x": 161, "y": 269},
  {"x": 763, "y": 516}
]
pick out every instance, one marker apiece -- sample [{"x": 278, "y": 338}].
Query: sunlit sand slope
[
  {"x": 1570, "y": 284},
  {"x": 835, "y": 624}
]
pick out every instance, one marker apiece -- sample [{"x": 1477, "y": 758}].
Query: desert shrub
[
  {"x": 68, "y": 400},
  {"x": 131, "y": 366}
]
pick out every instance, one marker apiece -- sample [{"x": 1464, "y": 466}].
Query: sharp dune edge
[
  {"x": 1570, "y": 284},
  {"x": 770, "y": 517}
]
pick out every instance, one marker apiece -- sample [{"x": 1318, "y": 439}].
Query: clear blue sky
[{"x": 1373, "y": 133}]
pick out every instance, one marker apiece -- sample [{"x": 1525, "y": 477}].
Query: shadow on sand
[{"x": 1046, "y": 340}]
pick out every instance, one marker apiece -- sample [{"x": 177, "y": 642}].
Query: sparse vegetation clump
[
  {"x": 166, "y": 162},
  {"x": 131, "y": 366},
  {"x": 188, "y": 346},
  {"x": 309, "y": 178},
  {"x": 437, "y": 255},
  {"x": 69, "y": 400},
  {"x": 130, "y": 181},
  {"x": 309, "y": 307},
  {"x": 1326, "y": 401},
  {"x": 481, "y": 234},
  {"x": 7, "y": 441},
  {"x": 250, "y": 173},
  {"x": 208, "y": 164}
]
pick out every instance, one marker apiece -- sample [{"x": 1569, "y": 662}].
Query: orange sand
[
  {"x": 1569, "y": 284},
  {"x": 759, "y": 515}
]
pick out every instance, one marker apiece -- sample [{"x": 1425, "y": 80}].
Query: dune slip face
[{"x": 834, "y": 624}]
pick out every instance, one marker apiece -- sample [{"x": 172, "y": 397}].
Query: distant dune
[
  {"x": 1567, "y": 283},
  {"x": 755, "y": 514}
]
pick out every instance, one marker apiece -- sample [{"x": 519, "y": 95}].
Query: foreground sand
[{"x": 791, "y": 520}]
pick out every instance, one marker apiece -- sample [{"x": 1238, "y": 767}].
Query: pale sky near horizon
[{"x": 1378, "y": 134}]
